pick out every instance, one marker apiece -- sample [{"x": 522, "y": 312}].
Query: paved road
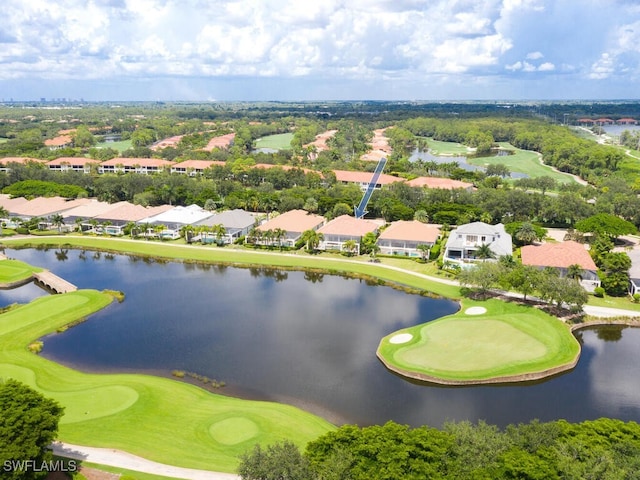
[{"x": 120, "y": 459}]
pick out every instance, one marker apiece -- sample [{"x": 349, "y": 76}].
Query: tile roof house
[
  {"x": 441, "y": 183},
  {"x": 44, "y": 206},
  {"x": 194, "y": 167},
  {"x": 562, "y": 256},
  {"x": 76, "y": 164},
  {"x": 403, "y": 237},
  {"x": 237, "y": 223},
  {"x": 144, "y": 166},
  {"x": 223, "y": 141},
  {"x": 5, "y": 163},
  {"x": 294, "y": 223},
  {"x": 362, "y": 179},
  {"x": 464, "y": 241},
  {"x": 59, "y": 142},
  {"x": 176, "y": 218},
  {"x": 344, "y": 228}
]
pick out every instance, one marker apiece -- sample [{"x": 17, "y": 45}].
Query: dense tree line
[
  {"x": 602, "y": 449},
  {"x": 28, "y": 425}
]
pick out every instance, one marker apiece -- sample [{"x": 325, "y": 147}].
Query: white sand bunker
[
  {"x": 401, "y": 338},
  {"x": 475, "y": 310}
]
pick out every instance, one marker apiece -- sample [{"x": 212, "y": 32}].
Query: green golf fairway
[
  {"x": 157, "y": 418},
  {"x": 507, "y": 343},
  {"x": 15, "y": 272}
]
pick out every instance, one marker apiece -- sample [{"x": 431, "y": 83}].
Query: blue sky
[{"x": 319, "y": 49}]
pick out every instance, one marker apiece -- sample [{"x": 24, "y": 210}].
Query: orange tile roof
[
  {"x": 348, "y": 226},
  {"x": 167, "y": 142},
  {"x": 364, "y": 177},
  {"x": 10, "y": 204},
  {"x": 413, "y": 230},
  {"x": 128, "y": 212},
  {"x": 58, "y": 141},
  {"x": 223, "y": 141},
  {"x": 82, "y": 161},
  {"x": 43, "y": 206},
  {"x": 21, "y": 160},
  {"x": 559, "y": 255},
  {"x": 320, "y": 141},
  {"x": 132, "y": 162},
  {"x": 198, "y": 164},
  {"x": 294, "y": 221},
  {"x": 437, "y": 182}
]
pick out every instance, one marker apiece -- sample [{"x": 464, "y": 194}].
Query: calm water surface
[{"x": 310, "y": 341}]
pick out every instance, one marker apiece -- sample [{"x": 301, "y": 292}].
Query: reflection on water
[{"x": 310, "y": 339}]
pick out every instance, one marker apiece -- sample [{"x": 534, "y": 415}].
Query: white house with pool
[{"x": 464, "y": 241}]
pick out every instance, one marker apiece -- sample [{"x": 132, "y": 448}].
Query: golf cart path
[{"x": 120, "y": 459}]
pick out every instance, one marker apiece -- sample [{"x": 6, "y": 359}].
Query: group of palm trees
[
  {"x": 271, "y": 237},
  {"x": 204, "y": 233}
]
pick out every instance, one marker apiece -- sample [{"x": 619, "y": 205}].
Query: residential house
[
  {"x": 194, "y": 167},
  {"x": 237, "y": 223},
  {"x": 344, "y": 228},
  {"x": 143, "y": 166},
  {"x": 114, "y": 220},
  {"x": 222, "y": 141},
  {"x": 75, "y": 164},
  {"x": 293, "y": 223},
  {"x": 5, "y": 163},
  {"x": 61, "y": 141},
  {"x": 441, "y": 183},
  {"x": 464, "y": 241},
  {"x": 403, "y": 237},
  {"x": 561, "y": 256},
  {"x": 176, "y": 218},
  {"x": 362, "y": 179}
]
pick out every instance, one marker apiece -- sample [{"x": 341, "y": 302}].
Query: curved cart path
[{"x": 120, "y": 459}]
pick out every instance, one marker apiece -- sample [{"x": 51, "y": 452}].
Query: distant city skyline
[{"x": 316, "y": 50}]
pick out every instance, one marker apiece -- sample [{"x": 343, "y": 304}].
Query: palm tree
[
  {"x": 526, "y": 234},
  {"x": 279, "y": 234},
  {"x": 57, "y": 221},
  {"x": 574, "y": 271},
  {"x": 424, "y": 250},
  {"x": 375, "y": 248},
  {"x": 484, "y": 252},
  {"x": 421, "y": 216},
  {"x": 350, "y": 246},
  {"x": 311, "y": 239},
  {"x": 219, "y": 232}
]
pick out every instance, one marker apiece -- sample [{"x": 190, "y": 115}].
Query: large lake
[{"x": 310, "y": 341}]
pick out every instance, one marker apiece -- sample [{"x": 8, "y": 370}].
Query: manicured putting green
[
  {"x": 485, "y": 344},
  {"x": 234, "y": 430},
  {"x": 498, "y": 342}
]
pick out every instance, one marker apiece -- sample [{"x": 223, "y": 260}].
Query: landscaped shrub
[
  {"x": 636, "y": 298},
  {"x": 22, "y": 230},
  {"x": 598, "y": 292}
]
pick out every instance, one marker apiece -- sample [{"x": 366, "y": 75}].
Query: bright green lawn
[
  {"x": 281, "y": 141},
  {"x": 12, "y": 271},
  {"x": 157, "y": 418},
  {"x": 523, "y": 161},
  {"x": 121, "y": 146},
  {"x": 246, "y": 256},
  {"x": 437, "y": 147},
  {"x": 506, "y": 341}
]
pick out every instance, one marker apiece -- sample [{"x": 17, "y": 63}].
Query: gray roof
[
  {"x": 230, "y": 219},
  {"x": 500, "y": 246},
  {"x": 634, "y": 255}
]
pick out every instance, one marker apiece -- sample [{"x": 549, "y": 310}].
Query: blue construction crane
[{"x": 360, "y": 211}]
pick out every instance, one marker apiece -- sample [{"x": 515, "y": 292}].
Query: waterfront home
[
  {"x": 237, "y": 223},
  {"x": 465, "y": 240},
  {"x": 403, "y": 238},
  {"x": 561, "y": 256},
  {"x": 343, "y": 229},
  {"x": 293, "y": 223}
]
